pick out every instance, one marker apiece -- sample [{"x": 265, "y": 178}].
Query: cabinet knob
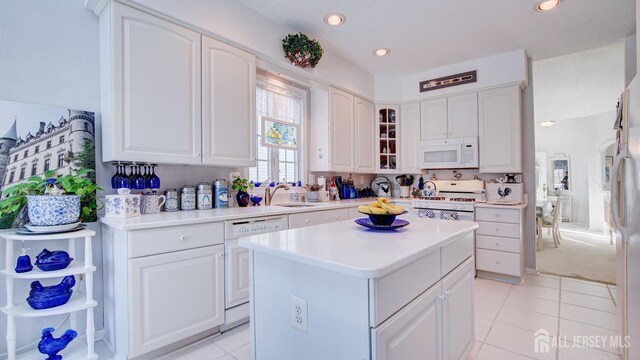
[
  {"x": 197, "y": 155},
  {"x": 442, "y": 297},
  {"x": 337, "y": 216},
  {"x": 221, "y": 254},
  {"x": 306, "y": 221},
  {"x": 444, "y": 133},
  {"x": 183, "y": 238},
  {"x": 497, "y": 229},
  {"x": 450, "y": 133},
  {"x": 447, "y": 294},
  {"x": 497, "y": 262},
  {"x": 497, "y": 215},
  {"x": 498, "y": 244}
]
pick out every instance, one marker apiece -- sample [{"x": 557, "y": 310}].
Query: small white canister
[
  {"x": 122, "y": 205},
  {"x": 204, "y": 195},
  {"x": 187, "y": 198}
]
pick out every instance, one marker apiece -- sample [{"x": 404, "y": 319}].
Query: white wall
[
  {"x": 581, "y": 139},
  {"x": 49, "y": 55},
  {"x": 245, "y": 27},
  {"x": 505, "y": 68},
  {"x": 630, "y": 60}
]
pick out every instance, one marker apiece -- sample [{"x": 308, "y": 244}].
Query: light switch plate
[{"x": 299, "y": 316}]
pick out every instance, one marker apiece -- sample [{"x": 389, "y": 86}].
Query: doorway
[{"x": 575, "y": 105}]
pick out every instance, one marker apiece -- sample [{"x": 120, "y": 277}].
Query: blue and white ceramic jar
[{"x": 52, "y": 210}]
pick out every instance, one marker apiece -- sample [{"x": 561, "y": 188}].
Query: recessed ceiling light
[
  {"x": 546, "y": 5},
  {"x": 334, "y": 19},
  {"x": 547, "y": 124},
  {"x": 381, "y": 52}
]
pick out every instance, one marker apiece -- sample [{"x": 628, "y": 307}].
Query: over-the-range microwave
[{"x": 454, "y": 153}]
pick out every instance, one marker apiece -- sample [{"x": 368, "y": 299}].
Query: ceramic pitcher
[{"x": 152, "y": 203}]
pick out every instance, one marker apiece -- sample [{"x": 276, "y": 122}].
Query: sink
[{"x": 294, "y": 205}]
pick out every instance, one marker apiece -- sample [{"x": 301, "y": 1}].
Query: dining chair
[{"x": 553, "y": 224}]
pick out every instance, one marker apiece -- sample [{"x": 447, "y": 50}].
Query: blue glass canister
[{"x": 220, "y": 194}]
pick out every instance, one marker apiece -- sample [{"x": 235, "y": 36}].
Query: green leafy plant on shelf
[
  {"x": 14, "y": 198},
  {"x": 241, "y": 184},
  {"x": 301, "y": 50}
]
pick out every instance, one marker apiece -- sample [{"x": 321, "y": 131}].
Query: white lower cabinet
[
  {"x": 165, "y": 287},
  {"x": 412, "y": 333},
  {"x": 435, "y": 325},
  {"x": 499, "y": 243},
  {"x": 174, "y": 296},
  {"x": 458, "y": 332}
]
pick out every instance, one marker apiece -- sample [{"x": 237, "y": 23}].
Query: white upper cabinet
[
  {"x": 500, "y": 118},
  {"x": 170, "y": 95},
  {"x": 450, "y": 117},
  {"x": 462, "y": 115},
  {"x": 433, "y": 119},
  {"x": 228, "y": 105},
  {"x": 341, "y": 133},
  {"x": 155, "y": 108},
  {"x": 410, "y": 138},
  {"x": 365, "y": 136}
]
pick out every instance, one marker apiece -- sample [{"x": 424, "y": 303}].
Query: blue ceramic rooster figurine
[
  {"x": 45, "y": 297},
  {"x": 48, "y": 345}
]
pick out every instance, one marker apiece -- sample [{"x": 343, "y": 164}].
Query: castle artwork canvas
[{"x": 38, "y": 139}]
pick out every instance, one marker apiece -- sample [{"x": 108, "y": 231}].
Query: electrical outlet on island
[{"x": 299, "y": 313}]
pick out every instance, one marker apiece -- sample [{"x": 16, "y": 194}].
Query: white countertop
[
  {"x": 163, "y": 219},
  {"x": 503, "y": 206},
  {"x": 351, "y": 249}
]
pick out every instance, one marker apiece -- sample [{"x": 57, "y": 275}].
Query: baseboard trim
[{"x": 531, "y": 271}]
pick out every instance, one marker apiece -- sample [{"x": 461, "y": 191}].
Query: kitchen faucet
[{"x": 268, "y": 195}]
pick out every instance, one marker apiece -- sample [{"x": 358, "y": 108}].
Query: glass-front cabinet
[{"x": 387, "y": 133}]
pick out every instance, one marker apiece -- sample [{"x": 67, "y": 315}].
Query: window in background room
[{"x": 284, "y": 101}]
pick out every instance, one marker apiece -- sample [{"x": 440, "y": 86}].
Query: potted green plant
[
  {"x": 50, "y": 200},
  {"x": 301, "y": 50},
  {"x": 241, "y": 185}
]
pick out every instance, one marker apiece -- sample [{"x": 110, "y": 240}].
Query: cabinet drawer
[
  {"x": 498, "y": 215},
  {"x": 498, "y": 229},
  {"x": 393, "y": 291},
  {"x": 317, "y": 218},
  {"x": 162, "y": 240},
  {"x": 454, "y": 253},
  {"x": 498, "y": 262},
  {"x": 498, "y": 243}
]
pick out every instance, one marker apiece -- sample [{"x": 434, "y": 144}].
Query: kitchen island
[{"x": 340, "y": 291}]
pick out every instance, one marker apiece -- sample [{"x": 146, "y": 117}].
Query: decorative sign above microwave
[{"x": 451, "y": 80}]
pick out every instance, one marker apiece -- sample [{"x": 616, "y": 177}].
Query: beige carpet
[{"x": 581, "y": 254}]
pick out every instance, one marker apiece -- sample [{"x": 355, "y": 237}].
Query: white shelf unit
[{"x": 80, "y": 301}]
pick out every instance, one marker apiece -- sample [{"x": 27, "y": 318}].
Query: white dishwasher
[{"x": 236, "y": 262}]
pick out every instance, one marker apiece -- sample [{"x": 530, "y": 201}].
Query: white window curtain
[{"x": 282, "y": 101}]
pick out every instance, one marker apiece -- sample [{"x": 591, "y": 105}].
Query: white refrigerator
[{"x": 625, "y": 195}]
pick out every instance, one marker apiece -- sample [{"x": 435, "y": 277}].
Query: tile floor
[
  {"x": 506, "y": 318},
  {"x": 508, "y": 315}
]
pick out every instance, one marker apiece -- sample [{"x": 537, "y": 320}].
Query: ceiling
[
  {"x": 425, "y": 34},
  {"x": 578, "y": 85}
]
